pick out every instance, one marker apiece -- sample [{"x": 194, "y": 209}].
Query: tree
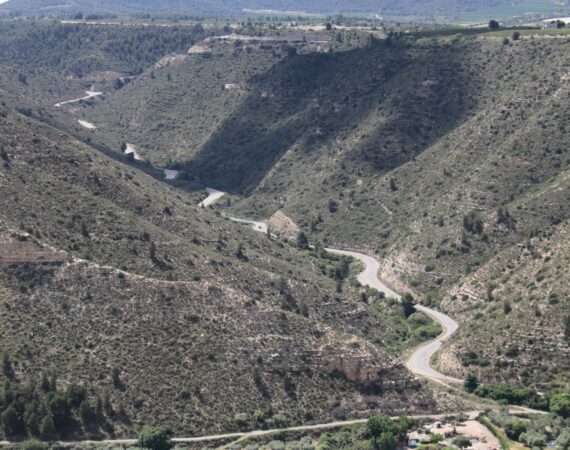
[
  {"x": 47, "y": 429},
  {"x": 393, "y": 186},
  {"x": 377, "y": 425},
  {"x": 507, "y": 308},
  {"x": 302, "y": 241},
  {"x": 560, "y": 404},
  {"x": 86, "y": 412},
  {"x": 7, "y": 368},
  {"x": 329, "y": 26},
  {"x": 239, "y": 251},
  {"x": 563, "y": 439},
  {"x": 76, "y": 394},
  {"x": 515, "y": 428},
  {"x": 156, "y": 438},
  {"x": 385, "y": 442},
  {"x": 45, "y": 384},
  {"x": 471, "y": 382},
  {"x": 333, "y": 207},
  {"x": 494, "y": 25},
  {"x": 408, "y": 304},
  {"x": 12, "y": 421},
  {"x": 32, "y": 418},
  {"x": 516, "y": 36},
  {"x": 152, "y": 251},
  {"x": 473, "y": 223},
  {"x": 116, "y": 377},
  {"x": 59, "y": 407}
]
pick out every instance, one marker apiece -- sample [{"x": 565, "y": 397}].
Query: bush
[
  {"x": 386, "y": 442},
  {"x": 461, "y": 442},
  {"x": 437, "y": 438},
  {"x": 408, "y": 305},
  {"x": 533, "y": 439},
  {"x": 470, "y": 384},
  {"x": 510, "y": 394},
  {"x": 515, "y": 429},
  {"x": 155, "y": 438},
  {"x": 560, "y": 404},
  {"x": 473, "y": 223}
]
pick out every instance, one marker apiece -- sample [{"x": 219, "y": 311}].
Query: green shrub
[
  {"x": 386, "y": 441},
  {"x": 560, "y": 404},
  {"x": 533, "y": 439},
  {"x": 471, "y": 382},
  {"x": 155, "y": 438},
  {"x": 515, "y": 429},
  {"x": 461, "y": 442}
]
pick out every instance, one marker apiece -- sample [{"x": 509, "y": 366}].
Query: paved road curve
[
  {"x": 257, "y": 226},
  {"x": 419, "y": 361},
  {"x": 213, "y": 196},
  {"x": 370, "y": 275},
  {"x": 90, "y": 94}
]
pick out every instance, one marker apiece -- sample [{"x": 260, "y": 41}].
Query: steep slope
[
  {"x": 167, "y": 310},
  {"x": 439, "y": 154},
  {"x": 521, "y": 299}
]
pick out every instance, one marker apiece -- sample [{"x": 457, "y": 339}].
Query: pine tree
[
  {"x": 47, "y": 429},
  {"x": 471, "y": 382}
]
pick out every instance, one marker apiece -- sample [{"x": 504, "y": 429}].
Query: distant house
[
  {"x": 418, "y": 437},
  {"x": 550, "y": 24},
  {"x": 559, "y": 22}
]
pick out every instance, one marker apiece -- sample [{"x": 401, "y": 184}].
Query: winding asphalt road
[
  {"x": 90, "y": 94},
  {"x": 419, "y": 362},
  {"x": 213, "y": 196}
]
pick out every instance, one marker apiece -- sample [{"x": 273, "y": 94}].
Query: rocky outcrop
[{"x": 283, "y": 226}]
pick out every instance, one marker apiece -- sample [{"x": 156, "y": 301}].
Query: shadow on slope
[{"x": 403, "y": 93}]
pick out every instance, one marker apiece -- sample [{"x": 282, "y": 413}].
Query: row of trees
[
  {"x": 38, "y": 408},
  {"x": 557, "y": 403}
]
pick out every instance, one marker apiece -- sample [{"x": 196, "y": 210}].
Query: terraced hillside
[{"x": 439, "y": 153}]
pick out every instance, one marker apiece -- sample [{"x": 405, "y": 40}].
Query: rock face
[
  {"x": 283, "y": 226},
  {"x": 199, "y": 49}
]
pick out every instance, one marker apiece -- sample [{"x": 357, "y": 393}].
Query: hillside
[
  {"x": 437, "y": 153},
  {"x": 118, "y": 282},
  {"x": 413, "y": 8}
]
